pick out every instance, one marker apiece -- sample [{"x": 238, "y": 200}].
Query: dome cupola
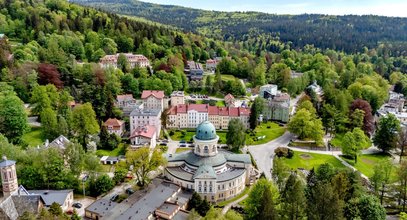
[{"x": 205, "y": 131}]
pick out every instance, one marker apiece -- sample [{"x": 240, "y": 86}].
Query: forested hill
[{"x": 349, "y": 33}]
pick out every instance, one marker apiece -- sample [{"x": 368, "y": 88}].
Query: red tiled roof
[
  {"x": 113, "y": 122},
  {"x": 211, "y": 61},
  {"x": 145, "y": 131},
  {"x": 213, "y": 110},
  {"x": 124, "y": 97},
  {"x": 148, "y": 93},
  {"x": 223, "y": 111},
  {"x": 182, "y": 108},
  {"x": 229, "y": 96},
  {"x": 244, "y": 111},
  {"x": 233, "y": 111},
  {"x": 198, "y": 107}
]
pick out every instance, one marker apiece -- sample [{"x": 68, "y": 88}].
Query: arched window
[{"x": 206, "y": 149}]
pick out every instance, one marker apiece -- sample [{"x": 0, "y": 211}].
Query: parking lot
[{"x": 85, "y": 201}]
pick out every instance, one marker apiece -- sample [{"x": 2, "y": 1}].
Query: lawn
[
  {"x": 274, "y": 131},
  {"x": 227, "y": 77},
  {"x": 337, "y": 141},
  {"x": 220, "y": 103},
  {"x": 114, "y": 153},
  {"x": 311, "y": 160},
  {"x": 224, "y": 203},
  {"x": 190, "y": 133},
  {"x": 366, "y": 162},
  {"x": 182, "y": 149},
  {"x": 34, "y": 137}
]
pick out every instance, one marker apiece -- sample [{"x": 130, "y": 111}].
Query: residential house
[
  {"x": 191, "y": 115},
  {"x": 229, "y": 100},
  {"x": 395, "y": 106},
  {"x": 194, "y": 71},
  {"x": 144, "y": 117},
  {"x": 114, "y": 126},
  {"x": 132, "y": 59},
  {"x": 144, "y": 136},
  {"x": 316, "y": 88},
  {"x": 268, "y": 91},
  {"x": 125, "y": 100},
  {"x": 177, "y": 98},
  {"x": 60, "y": 143},
  {"x": 153, "y": 99},
  {"x": 63, "y": 197},
  {"x": 277, "y": 108},
  {"x": 211, "y": 64}
]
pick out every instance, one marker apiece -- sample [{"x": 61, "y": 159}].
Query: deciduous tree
[
  {"x": 13, "y": 118},
  {"x": 236, "y": 135},
  {"x": 386, "y": 134},
  {"x": 84, "y": 122}
]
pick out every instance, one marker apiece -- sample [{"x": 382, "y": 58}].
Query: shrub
[
  {"x": 284, "y": 152},
  {"x": 172, "y": 133},
  {"x": 269, "y": 126}
]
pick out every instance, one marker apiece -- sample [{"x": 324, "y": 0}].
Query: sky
[{"x": 394, "y": 8}]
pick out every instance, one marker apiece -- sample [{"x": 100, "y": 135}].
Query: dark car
[
  {"x": 77, "y": 205},
  {"x": 182, "y": 145},
  {"x": 182, "y": 142},
  {"x": 114, "y": 197},
  {"x": 163, "y": 144},
  {"x": 129, "y": 191}
]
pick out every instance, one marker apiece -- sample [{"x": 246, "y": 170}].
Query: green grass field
[
  {"x": 34, "y": 137},
  {"x": 367, "y": 162},
  {"x": 311, "y": 160},
  {"x": 337, "y": 141},
  {"x": 189, "y": 134},
  {"x": 224, "y": 203},
  {"x": 270, "y": 134},
  {"x": 182, "y": 149},
  {"x": 114, "y": 153},
  {"x": 220, "y": 103}
]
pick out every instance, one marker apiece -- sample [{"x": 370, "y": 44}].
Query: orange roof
[
  {"x": 113, "y": 122},
  {"x": 155, "y": 93},
  {"x": 125, "y": 96},
  {"x": 213, "y": 110},
  {"x": 229, "y": 96},
  {"x": 145, "y": 131}
]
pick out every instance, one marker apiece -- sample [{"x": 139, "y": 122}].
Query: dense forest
[{"x": 349, "y": 33}]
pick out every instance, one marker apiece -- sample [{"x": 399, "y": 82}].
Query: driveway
[
  {"x": 85, "y": 201},
  {"x": 264, "y": 153}
]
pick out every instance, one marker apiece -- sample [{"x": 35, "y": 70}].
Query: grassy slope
[
  {"x": 366, "y": 162},
  {"x": 271, "y": 133},
  {"x": 34, "y": 137},
  {"x": 337, "y": 141},
  {"x": 311, "y": 160}
]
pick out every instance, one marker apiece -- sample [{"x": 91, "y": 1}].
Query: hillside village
[{"x": 107, "y": 117}]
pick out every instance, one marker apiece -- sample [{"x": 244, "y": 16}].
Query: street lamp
[{"x": 83, "y": 184}]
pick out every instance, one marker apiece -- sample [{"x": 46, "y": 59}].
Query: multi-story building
[
  {"x": 133, "y": 60},
  {"x": 268, "y": 91},
  {"x": 190, "y": 116},
  {"x": 125, "y": 100},
  {"x": 177, "y": 98},
  {"x": 194, "y": 70},
  {"x": 277, "y": 108},
  {"x": 145, "y": 117},
  {"x": 114, "y": 126},
  {"x": 144, "y": 136},
  {"x": 395, "y": 106},
  {"x": 216, "y": 175},
  {"x": 153, "y": 99}
]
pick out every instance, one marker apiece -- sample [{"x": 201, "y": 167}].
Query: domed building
[{"x": 215, "y": 174}]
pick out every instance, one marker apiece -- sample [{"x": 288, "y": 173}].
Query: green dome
[{"x": 205, "y": 131}]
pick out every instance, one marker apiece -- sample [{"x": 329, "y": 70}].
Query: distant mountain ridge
[{"x": 349, "y": 33}]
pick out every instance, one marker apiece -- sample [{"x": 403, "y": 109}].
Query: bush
[
  {"x": 172, "y": 133},
  {"x": 183, "y": 133},
  {"x": 269, "y": 126},
  {"x": 284, "y": 152}
]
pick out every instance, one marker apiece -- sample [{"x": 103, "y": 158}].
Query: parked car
[
  {"x": 163, "y": 144},
  {"x": 114, "y": 197},
  {"x": 77, "y": 205},
  {"x": 129, "y": 191},
  {"x": 182, "y": 142},
  {"x": 182, "y": 145}
]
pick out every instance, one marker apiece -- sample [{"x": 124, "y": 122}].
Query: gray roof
[
  {"x": 181, "y": 215},
  {"x": 225, "y": 176},
  {"x": 6, "y": 163},
  {"x": 51, "y": 196},
  {"x": 219, "y": 159},
  {"x": 150, "y": 202},
  {"x": 205, "y": 171},
  {"x": 182, "y": 197},
  {"x": 27, "y": 203},
  {"x": 168, "y": 208},
  {"x": 101, "y": 207},
  {"x": 145, "y": 112},
  {"x": 60, "y": 142}
]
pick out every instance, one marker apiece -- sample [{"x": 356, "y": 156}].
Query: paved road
[{"x": 264, "y": 153}]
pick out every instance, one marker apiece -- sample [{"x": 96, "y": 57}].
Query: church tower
[{"x": 8, "y": 176}]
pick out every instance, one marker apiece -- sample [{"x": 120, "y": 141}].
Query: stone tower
[{"x": 8, "y": 176}]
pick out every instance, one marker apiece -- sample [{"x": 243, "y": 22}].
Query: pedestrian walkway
[{"x": 228, "y": 206}]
